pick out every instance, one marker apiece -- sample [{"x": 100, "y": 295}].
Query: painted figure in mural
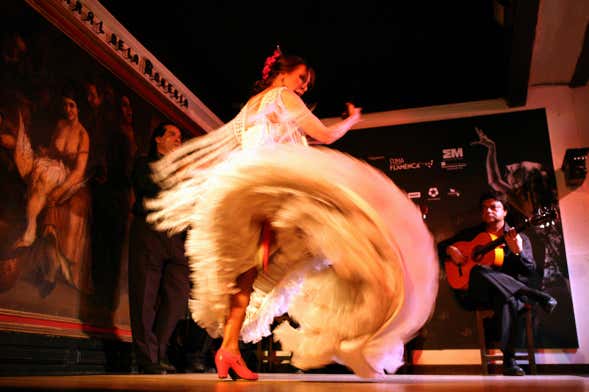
[
  {"x": 56, "y": 179},
  {"x": 111, "y": 203},
  {"x": 277, "y": 227},
  {"x": 529, "y": 187},
  {"x": 127, "y": 129},
  {"x": 99, "y": 119},
  {"x": 500, "y": 279},
  {"x": 15, "y": 62},
  {"x": 527, "y": 184},
  {"x": 11, "y": 187},
  {"x": 7, "y": 144},
  {"x": 49, "y": 179},
  {"x": 158, "y": 267}
]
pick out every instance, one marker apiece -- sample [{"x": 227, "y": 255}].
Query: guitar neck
[
  {"x": 500, "y": 240},
  {"x": 491, "y": 245}
]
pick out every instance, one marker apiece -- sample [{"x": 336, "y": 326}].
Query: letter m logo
[{"x": 452, "y": 153}]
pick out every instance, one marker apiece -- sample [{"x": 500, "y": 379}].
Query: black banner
[{"x": 444, "y": 166}]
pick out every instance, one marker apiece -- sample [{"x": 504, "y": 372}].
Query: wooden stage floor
[{"x": 277, "y": 382}]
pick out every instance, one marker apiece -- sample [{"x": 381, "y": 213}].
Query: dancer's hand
[{"x": 353, "y": 112}]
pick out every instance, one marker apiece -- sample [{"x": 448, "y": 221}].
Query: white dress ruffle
[{"x": 352, "y": 262}]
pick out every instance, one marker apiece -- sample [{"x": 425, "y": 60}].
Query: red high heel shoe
[{"x": 225, "y": 361}]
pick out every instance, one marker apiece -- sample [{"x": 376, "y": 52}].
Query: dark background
[{"x": 381, "y": 55}]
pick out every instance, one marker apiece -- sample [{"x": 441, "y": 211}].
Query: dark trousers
[
  {"x": 500, "y": 292},
  {"x": 158, "y": 289},
  {"x": 191, "y": 348}
]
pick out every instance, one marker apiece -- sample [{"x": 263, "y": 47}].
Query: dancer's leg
[
  {"x": 238, "y": 304},
  {"x": 228, "y": 357}
]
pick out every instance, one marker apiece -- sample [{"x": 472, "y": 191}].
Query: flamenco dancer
[{"x": 275, "y": 226}]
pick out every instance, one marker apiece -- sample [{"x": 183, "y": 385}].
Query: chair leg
[
  {"x": 482, "y": 344},
  {"x": 530, "y": 342},
  {"x": 270, "y": 354}
]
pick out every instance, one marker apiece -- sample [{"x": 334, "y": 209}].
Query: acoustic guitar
[{"x": 486, "y": 249}]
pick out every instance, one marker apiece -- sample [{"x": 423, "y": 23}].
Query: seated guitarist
[{"x": 501, "y": 285}]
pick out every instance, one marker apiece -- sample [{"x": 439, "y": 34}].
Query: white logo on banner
[
  {"x": 451, "y": 158},
  {"x": 433, "y": 192},
  {"x": 452, "y": 153},
  {"x": 453, "y": 192},
  {"x": 396, "y": 164}
]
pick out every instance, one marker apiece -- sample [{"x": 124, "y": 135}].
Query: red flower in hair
[{"x": 270, "y": 60}]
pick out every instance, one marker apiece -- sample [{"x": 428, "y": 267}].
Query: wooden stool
[
  {"x": 481, "y": 315},
  {"x": 269, "y": 356}
]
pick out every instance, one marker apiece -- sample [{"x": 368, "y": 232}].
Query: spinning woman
[{"x": 276, "y": 227}]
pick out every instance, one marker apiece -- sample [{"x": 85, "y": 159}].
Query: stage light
[{"x": 574, "y": 166}]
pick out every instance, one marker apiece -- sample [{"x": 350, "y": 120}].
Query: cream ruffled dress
[{"x": 351, "y": 262}]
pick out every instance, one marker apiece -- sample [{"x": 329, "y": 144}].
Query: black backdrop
[{"x": 443, "y": 172}]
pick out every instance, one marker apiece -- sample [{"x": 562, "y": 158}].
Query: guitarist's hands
[
  {"x": 514, "y": 241},
  {"x": 456, "y": 255}
]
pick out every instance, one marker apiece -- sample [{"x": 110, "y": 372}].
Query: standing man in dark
[
  {"x": 502, "y": 286},
  {"x": 158, "y": 268}
]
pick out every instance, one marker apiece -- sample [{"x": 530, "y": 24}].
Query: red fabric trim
[
  {"x": 67, "y": 325},
  {"x": 265, "y": 245}
]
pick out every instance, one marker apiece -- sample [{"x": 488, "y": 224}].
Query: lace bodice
[
  {"x": 264, "y": 120},
  {"x": 269, "y": 122}
]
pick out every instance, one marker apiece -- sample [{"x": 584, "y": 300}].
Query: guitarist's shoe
[
  {"x": 549, "y": 304},
  {"x": 513, "y": 370},
  {"x": 546, "y": 301},
  {"x": 510, "y": 368}
]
